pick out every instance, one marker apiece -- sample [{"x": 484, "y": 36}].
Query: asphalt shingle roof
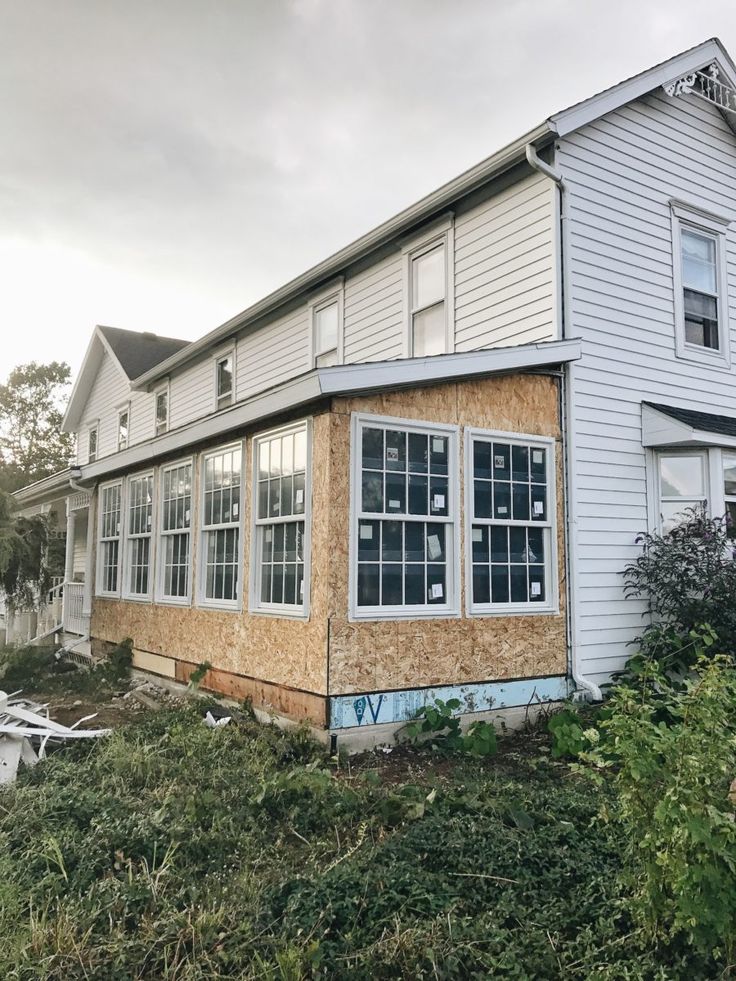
[
  {"x": 139, "y": 352},
  {"x": 707, "y": 422}
]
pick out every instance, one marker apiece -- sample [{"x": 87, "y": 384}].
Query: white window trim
[
  {"x": 99, "y": 591},
  {"x": 93, "y": 427},
  {"x": 126, "y": 538},
  {"x": 714, "y": 226},
  {"x": 255, "y": 605},
  {"x": 160, "y": 596},
  {"x": 552, "y": 604},
  {"x": 334, "y": 293},
  {"x": 449, "y": 610},
  {"x": 225, "y": 352},
  {"x": 162, "y": 389},
  {"x": 712, "y": 476},
  {"x": 236, "y": 605},
  {"x": 442, "y": 232},
  {"x": 121, "y": 410}
]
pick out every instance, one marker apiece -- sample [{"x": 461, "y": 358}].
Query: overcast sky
[{"x": 165, "y": 163}]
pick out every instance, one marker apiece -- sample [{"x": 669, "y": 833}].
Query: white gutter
[{"x": 569, "y": 428}]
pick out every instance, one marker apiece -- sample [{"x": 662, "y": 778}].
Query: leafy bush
[
  {"x": 674, "y": 799},
  {"x": 689, "y": 578},
  {"x": 437, "y": 725},
  {"x": 566, "y": 730}
]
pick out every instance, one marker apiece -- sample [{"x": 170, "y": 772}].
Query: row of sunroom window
[{"x": 405, "y": 524}]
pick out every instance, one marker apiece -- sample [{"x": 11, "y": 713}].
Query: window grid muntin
[
  {"x": 175, "y": 530},
  {"x": 139, "y": 528},
  {"x": 437, "y": 571},
  {"x": 109, "y": 540},
  {"x": 489, "y": 530},
  {"x": 281, "y": 466},
  {"x": 221, "y": 495}
]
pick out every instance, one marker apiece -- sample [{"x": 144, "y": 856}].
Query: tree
[
  {"x": 32, "y": 445},
  {"x": 24, "y": 573}
]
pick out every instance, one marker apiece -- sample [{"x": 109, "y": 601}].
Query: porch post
[
  {"x": 71, "y": 519},
  {"x": 88, "y": 566}
]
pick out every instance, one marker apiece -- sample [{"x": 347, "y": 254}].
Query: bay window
[
  {"x": 280, "y": 541},
  {"x": 404, "y": 542},
  {"x": 682, "y": 481},
  {"x": 108, "y": 550},
  {"x": 511, "y": 517},
  {"x": 175, "y": 533},
  {"x": 220, "y": 527},
  {"x": 139, "y": 506}
]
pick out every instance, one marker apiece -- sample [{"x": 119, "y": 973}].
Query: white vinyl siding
[
  {"x": 191, "y": 393},
  {"x": 273, "y": 353},
  {"x": 374, "y": 311},
  {"x": 109, "y": 391},
  {"x": 622, "y": 172}
]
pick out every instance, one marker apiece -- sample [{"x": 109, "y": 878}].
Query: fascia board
[{"x": 83, "y": 384}]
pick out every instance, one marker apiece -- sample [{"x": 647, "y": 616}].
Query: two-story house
[{"x": 420, "y": 468}]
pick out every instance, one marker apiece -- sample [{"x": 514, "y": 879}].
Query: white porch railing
[{"x": 73, "y": 616}]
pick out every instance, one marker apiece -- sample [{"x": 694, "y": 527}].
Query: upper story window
[
  {"x": 220, "y": 547},
  {"x": 326, "y": 327},
  {"x": 224, "y": 380},
  {"x": 162, "y": 411},
  {"x": 511, "y": 518},
  {"x": 701, "y": 302},
  {"x": 92, "y": 444},
  {"x": 405, "y": 535},
  {"x": 429, "y": 279},
  {"x": 108, "y": 548},
  {"x": 280, "y": 550},
  {"x": 175, "y": 532},
  {"x": 138, "y": 536},
  {"x": 123, "y": 427}
]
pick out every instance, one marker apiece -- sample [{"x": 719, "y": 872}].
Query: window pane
[
  {"x": 482, "y": 459},
  {"x": 368, "y": 588},
  {"x": 499, "y": 584},
  {"x": 428, "y": 278},
  {"x": 682, "y": 476},
  {"x": 428, "y": 332},
  {"x": 395, "y": 450},
  {"x": 391, "y": 585},
  {"x": 224, "y": 376},
  {"x": 436, "y": 584},
  {"x": 520, "y": 496},
  {"x": 414, "y": 547},
  {"x": 392, "y": 541},
  {"x": 372, "y": 492},
  {"x": 729, "y": 474},
  {"x": 418, "y": 452},
  {"x": 395, "y": 493},
  {"x": 701, "y": 320},
  {"x": 373, "y": 449},
  {"x": 481, "y": 584},
  {"x": 325, "y": 328},
  {"x": 369, "y": 541},
  {"x": 698, "y": 261},
  {"x": 418, "y": 494},
  {"x": 480, "y": 541},
  {"x": 438, "y": 495},
  {"x": 414, "y": 584}
]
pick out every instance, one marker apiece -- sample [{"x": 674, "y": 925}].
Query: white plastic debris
[
  {"x": 213, "y": 723},
  {"x": 26, "y": 730}
]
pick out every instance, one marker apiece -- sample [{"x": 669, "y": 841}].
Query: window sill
[
  {"x": 282, "y": 613},
  {"x": 527, "y": 610},
  {"x": 136, "y": 598},
  {"x": 220, "y": 606},
  {"x": 703, "y": 356},
  {"x": 181, "y": 601},
  {"x": 421, "y": 613}
]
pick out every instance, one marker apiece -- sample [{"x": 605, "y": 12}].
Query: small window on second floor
[
  {"x": 92, "y": 445},
  {"x": 428, "y": 313},
  {"x": 326, "y": 326},
  {"x": 224, "y": 381},
  {"x": 123, "y": 427},
  {"x": 162, "y": 411}
]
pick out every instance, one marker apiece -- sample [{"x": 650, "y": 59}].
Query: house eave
[{"x": 659, "y": 430}]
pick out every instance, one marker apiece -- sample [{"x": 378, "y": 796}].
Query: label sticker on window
[
  {"x": 269, "y": 533},
  {"x": 477, "y": 534},
  {"x": 392, "y": 454},
  {"x": 502, "y": 509},
  {"x": 438, "y": 502},
  {"x": 436, "y": 591},
  {"x": 537, "y": 456},
  {"x": 536, "y": 589},
  {"x": 299, "y": 496},
  {"x": 149, "y": 520},
  {"x": 366, "y": 532},
  {"x": 438, "y": 444},
  {"x": 499, "y": 461},
  {"x": 235, "y": 510},
  {"x": 394, "y": 504},
  {"x": 301, "y": 590},
  {"x": 539, "y": 507},
  {"x": 434, "y": 549},
  {"x": 186, "y": 515}
]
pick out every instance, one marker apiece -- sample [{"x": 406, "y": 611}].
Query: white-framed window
[
  {"x": 510, "y": 494},
  {"x": 220, "y": 562},
  {"x": 161, "y": 411},
  {"x": 224, "y": 366},
  {"x": 138, "y": 536},
  {"x": 123, "y": 427},
  {"x": 281, "y": 509},
  {"x": 728, "y": 464},
  {"x": 326, "y": 317},
  {"x": 701, "y": 285},
  {"x": 175, "y": 523},
  {"x": 429, "y": 293},
  {"x": 682, "y": 483},
  {"x": 405, "y": 519},
  {"x": 92, "y": 434},
  {"x": 108, "y": 539}
]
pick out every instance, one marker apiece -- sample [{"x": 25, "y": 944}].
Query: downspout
[{"x": 568, "y": 428}]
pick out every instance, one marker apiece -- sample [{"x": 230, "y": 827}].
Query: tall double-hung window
[
  {"x": 108, "y": 551},
  {"x": 175, "y": 531},
  {"x": 281, "y": 504},
  {"x": 139, "y": 530},
  {"x": 701, "y": 285},
  {"x": 510, "y": 487},
  {"x": 429, "y": 293},
  {"x": 404, "y": 541},
  {"x": 220, "y": 549}
]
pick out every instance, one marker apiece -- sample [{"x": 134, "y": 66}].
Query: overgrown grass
[
  {"x": 32, "y": 668},
  {"x": 170, "y": 850}
]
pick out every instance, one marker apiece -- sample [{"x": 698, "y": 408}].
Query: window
[
  {"x": 511, "y": 517},
  {"x": 280, "y": 541},
  {"x": 224, "y": 380},
  {"x": 682, "y": 485},
  {"x": 429, "y": 275},
  {"x": 221, "y": 519},
  {"x": 405, "y": 528},
  {"x": 176, "y": 504},
  {"x": 138, "y": 535},
  {"x": 108, "y": 552},
  {"x": 123, "y": 427},
  {"x": 729, "y": 490},
  {"x": 326, "y": 329},
  {"x": 162, "y": 411},
  {"x": 92, "y": 445},
  {"x": 700, "y": 278}
]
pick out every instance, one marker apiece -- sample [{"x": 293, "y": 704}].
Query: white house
[{"x": 421, "y": 466}]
